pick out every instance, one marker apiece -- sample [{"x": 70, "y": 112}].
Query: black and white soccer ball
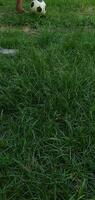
[{"x": 38, "y": 7}]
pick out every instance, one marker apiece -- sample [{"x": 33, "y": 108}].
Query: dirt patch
[
  {"x": 28, "y": 30},
  {"x": 24, "y": 29},
  {"x": 87, "y": 10}
]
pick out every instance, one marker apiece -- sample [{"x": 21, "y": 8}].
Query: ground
[{"x": 47, "y": 102}]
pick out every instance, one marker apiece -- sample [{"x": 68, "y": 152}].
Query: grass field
[{"x": 47, "y": 102}]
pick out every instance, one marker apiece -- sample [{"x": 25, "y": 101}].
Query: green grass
[{"x": 47, "y": 103}]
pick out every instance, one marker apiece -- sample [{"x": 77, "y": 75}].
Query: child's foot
[{"x": 20, "y": 10}]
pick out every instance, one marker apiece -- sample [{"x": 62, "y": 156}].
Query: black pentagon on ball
[
  {"x": 40, "y": 0},
  {"x": 39, "y": 9},
  {"x": 32, "y": 4}
]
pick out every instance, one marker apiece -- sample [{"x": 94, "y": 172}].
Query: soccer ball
[{"x": 38, "y": 6}]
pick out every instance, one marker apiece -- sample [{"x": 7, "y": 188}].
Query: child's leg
[{"x": 19, "y": 6}]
